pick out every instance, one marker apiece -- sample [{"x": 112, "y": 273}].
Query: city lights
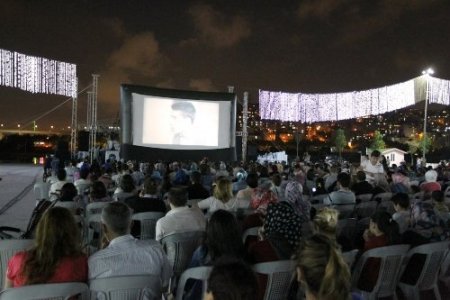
[{"x": 37, "y": 74}]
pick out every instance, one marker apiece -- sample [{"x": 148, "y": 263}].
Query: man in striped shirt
[{"x": 125, "y": 255}]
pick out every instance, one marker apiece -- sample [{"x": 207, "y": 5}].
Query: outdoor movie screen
[{"x": 180, "y": 123}]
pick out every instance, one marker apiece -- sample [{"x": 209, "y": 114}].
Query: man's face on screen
[{"x": 179, "y": 122}]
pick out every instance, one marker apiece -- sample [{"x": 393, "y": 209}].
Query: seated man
[
  {"x": 55, "y": 188},
  {"x": 361, "y": 186},
  {"x": 126, "y": 255},
  {"x": 180, "y": 218},
  {"x": 373, "y": 168},
  {"x": 343, "y": 195}
]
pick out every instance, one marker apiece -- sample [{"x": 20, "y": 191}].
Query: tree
[
  {"x": 425, "y": 142},
  {"x": 413, "y": 146},
  {"x": 377, "y": 142},
  {"x": 340, "y": 141}
]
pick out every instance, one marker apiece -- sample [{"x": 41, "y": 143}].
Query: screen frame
[{"x": 131, "y": 151}]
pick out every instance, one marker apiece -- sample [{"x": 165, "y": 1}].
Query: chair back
[
  {"x": 179, "y": 248},
  {"x": 365, "y": 209},
  {"x": 198, "y": 273},
  {"x": 317, "y": 199},
  {"x": 435, "y": 257},
  {"x": 345, "y": 210},
  {"x": 391, "y": 262},
  {"x": 53, "y": 291},
  {"x": 364, "y": 197},
  {"x": 148, "y": 221},
  {"x": 346, "y": 228},
  {"x": 83, "y": 189},
  {"x": 7, "y": 250},
  {"x": 94, "y": 208},
  {"x": 252, "y": 231},
  {"x": 126, "y": 287},
  {"x": 387, "y": 206},
  {"x": 349, "y": 257},
  {"x": 381, "y": 197},
  {"x": 279, "y": 275},
  {"x": 41, "y": 190},
  {"x": 70, "y": 205}
]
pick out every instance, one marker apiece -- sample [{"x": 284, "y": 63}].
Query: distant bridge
[{"x": 31, "y": 132}]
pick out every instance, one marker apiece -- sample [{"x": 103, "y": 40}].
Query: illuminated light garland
[
  {"x": 37, "y": 74},
  {"x": 310, "y": 108}
]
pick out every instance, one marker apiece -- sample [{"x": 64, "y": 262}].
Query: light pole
[{"x": 427, "y": 73}]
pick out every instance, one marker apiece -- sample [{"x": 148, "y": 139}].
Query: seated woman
[
  {"x": 322, "y": 270},
  {"x": 223, "y": 239},
  {"x": 99, "y": 193},
  {"x": 222, "y": 197},
  {"x": 126, "y": 188},
  {"x": 55, "y": 257}
]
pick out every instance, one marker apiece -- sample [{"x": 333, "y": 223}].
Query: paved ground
[{"x": 17, "y": 198}]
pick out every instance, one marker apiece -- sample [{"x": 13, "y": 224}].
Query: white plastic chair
[
  {"x": 148, "y": 221},
  {"x": 94, "y": 208},
  {"x": 349, "y": 257},
  {"x": 53, "y": 291},
  {"x": 444, "y": 273},
  {"x": 345, "y": 210},
  {"x": 364, "y": 197},
  {"x": 390, "y": 265},
  {"x": 7, "y": 250},
  {"x": 365, "y": 209},
  {"x": 126, "y": 287},
  {"x": 252, "y": 231},
  {"x": 179, "y": 248},
  {"x": 41, "y": 190},
  {"x": 427, "y": 279},
  {"x": 198, "y": 273},
  {"x": 70, "y": 205},
  {"x": 279, "y": 275},
  {"x": 383, "y": 196}
]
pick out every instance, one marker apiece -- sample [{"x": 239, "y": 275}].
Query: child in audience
[{"x": 402, "y": 213}]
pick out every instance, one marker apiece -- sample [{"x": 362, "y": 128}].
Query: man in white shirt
[
  {"x": 180, "y": 218},
  {"x": 55, "y": 188},
  {"x": 126, "y": 255},
  {"x": 373, "y": 168}
]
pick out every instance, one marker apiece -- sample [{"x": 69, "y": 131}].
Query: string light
[
  {"x": 309, "y": 108},
  {"x": 37, "y": 74}
]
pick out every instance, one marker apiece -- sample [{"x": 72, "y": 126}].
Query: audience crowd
[{"x": 296, "y": 207}]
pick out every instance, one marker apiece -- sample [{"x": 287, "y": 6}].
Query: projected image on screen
[{"x": 180, "y": 122}]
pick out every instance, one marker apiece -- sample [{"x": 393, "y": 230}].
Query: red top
[
  {"x": 430, "y": 186},
  {"x": 69, "y": 269}
]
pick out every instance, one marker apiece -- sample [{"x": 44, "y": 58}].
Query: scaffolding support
[
  {"x": 244, "y": 126},
  {"x": 92, "y": 118},
  {"x": 74, "y": 128}
]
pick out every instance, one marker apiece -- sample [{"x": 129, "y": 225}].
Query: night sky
[{"x": 296, "y": 46}]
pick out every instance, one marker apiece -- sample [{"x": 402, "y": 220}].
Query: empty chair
[
  {"x": 126, "y": 287},
  {"x": 198, "y": 273},
  {"x": 148, "y": 221},
  {"x": 179, "y": 248},
  {"x": 8, "y": 248},
  {"x": 426, "y": 279},
  {"x": 41, "y": 190},
  {"x": 279, "y": 275},
  {"x": 391, "y": 258},
  {"x": 364, "y": 197},
  {"x": 52, "y": 291},
  {"x": 365, "y": 209}
]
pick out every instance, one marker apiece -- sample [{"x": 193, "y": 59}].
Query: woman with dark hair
[
  {"x": 68, "y": 192},
  {"x": 56, "y": 255},
  {"x": 99, "y": 193},
  {"x": 125, "y": 189},
  {"x": 223, "y": 238}
]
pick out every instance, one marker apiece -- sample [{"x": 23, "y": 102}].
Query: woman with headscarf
[{"x": 284, "y": 220}]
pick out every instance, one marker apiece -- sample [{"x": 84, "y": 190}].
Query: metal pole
[
  {"x": 424, "y": 148},
  {"x": 244, "y": 127}
]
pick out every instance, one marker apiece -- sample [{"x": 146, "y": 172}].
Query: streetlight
[{"x": 427, "y": 73}]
